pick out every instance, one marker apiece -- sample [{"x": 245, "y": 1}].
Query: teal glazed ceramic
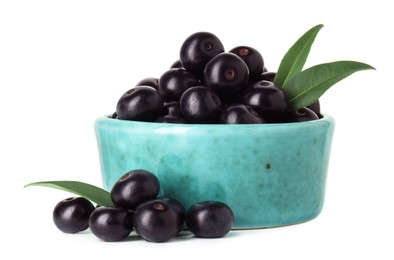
[{"x": 269, "y": 174}]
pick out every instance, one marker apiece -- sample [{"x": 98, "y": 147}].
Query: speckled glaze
[{"x": 269, "y": 174}]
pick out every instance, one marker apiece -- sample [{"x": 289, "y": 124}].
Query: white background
[{"x": 64, "y": 63}]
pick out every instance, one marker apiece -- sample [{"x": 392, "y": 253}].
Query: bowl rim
[{"x": 112, "y": 121}]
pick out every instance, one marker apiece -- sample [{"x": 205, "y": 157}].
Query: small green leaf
[
  {"x": 295, "y": 58},
  {"x": 309, "y": 85},
  {"x": 90, "y": 192}
]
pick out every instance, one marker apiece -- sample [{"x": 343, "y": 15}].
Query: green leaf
[
  {"x": 295, "y": 58},
  {"x": 90, "y": 192},
  {"x": 309, "y": 85}
]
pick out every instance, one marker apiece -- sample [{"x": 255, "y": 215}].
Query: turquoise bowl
[{"x": 269, "y": 174}]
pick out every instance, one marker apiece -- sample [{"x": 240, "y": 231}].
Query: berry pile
[
  {"x": 137, "y": 207},
  {"x": 210, "y": 86}
]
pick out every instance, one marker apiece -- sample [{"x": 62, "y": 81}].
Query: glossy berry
[
  {"x": 268, "y": 76},
  {"x": 200, "y": 105},
  {"x": 174, "y": 82},
  {"x": 179, "y": 209},
  {"x": 111, "y": 223},
  {"x": 300, "y": 115},
  {"x": 252, "y": 58},
  {"x": 265, "y": 98},
  {"x": 133, "y": 188},
  {"x": 141, "y": 103},
  {"x": 171, "y": 119},
  {"x": 315, "y": 107},
  {"x": 157, "y": 220},
  {"x": 151, "y": 82},
  {"x": 240, "y": 114},
  {"x": 209, "y": 219},
  {"x": 114, "y": 115},
  {"x": 198, "y": 49},
  {"x": 72, "y": 215},
  {"x": 227, "y": 74},
  {"x": 172, "y": 108},
  {"x": 177, "y": 65}
]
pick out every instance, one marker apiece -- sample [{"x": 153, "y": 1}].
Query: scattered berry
[
  {"x": 72, "y": 215},
  {"x": 209, "y": 219},
  {"x": 133, "y": 188},
  {"x": 157, "y": 220},
  {"x": 111, "y": 223}
]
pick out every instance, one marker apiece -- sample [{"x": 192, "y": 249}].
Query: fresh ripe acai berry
[
  {"x": 141, "y": 103},
  {"x": 171, "y": 119},
  {"x": 172, "y": 108},
  {"x": 157, "y": 220},
  {"x": 315, "y": 107},
  {"x": 174, "y": 82},
  {"x": 198, "y": 49},
  {"x": 133, "y": 188},
  {"x": 252, "y": 58},
  {"x": 200, "y": 105},
  {"x": 300, "y": 115},
  {"x": 226, "y": 74},
  {"x": 265, "y": 98},
  {"x": 209, "y": 219},
  {"x": 151, "y": 82},
  {"x": 268, "y": 76},
  {"x": 111, "y": 223},
  {"x": 177, "y": 65},
  {"x": 240, "y": 114},
  {"x": 72, "y": 215},
  {"x": 114, "y": 115},
  {"x": 179, "y": 209}
]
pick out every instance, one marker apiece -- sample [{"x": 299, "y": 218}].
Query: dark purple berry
[
  {"x": 198, "y": 49},
  {"x": 179, "y": 209},
  {"x": 252, "y": 58},
  {"x": 172, "y": 108},
  {"x": 141, "y": 103},
  {"x": 151, "y": 82},
  {"x": 157, "y": 220},
  {"x": 300, "y": 115},
  {"x": 133, "y": 188},
  {"x": 227, "y": 74},
  {"x": 177, "y": 65},
  {"x": 315, "y": 107},
  {"x": 268, "y": 76},
  {"x": 72, "y": 215},
  {"x": 240, "y": 114},
  {"x": 200, "y": 105},
  {"x": 174, "y": 82},
  {"x": 110, "y": 223},
  {"x": 209, "y": 219},
  {"x": 265, "y": 98},
  {"x": 171, "y": 119},
  {"x": 114, "y": 115}
]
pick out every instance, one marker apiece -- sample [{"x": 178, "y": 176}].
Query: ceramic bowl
[{"x": 269, "y": 174}]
